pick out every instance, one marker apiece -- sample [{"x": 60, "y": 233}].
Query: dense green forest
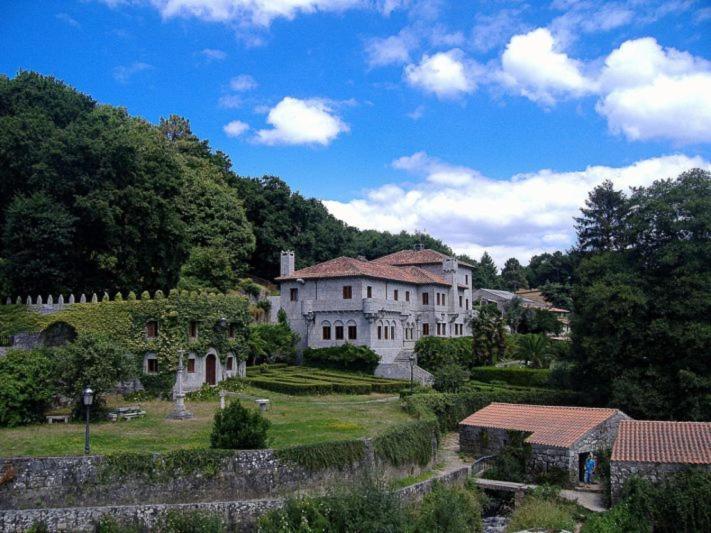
[{"x": 93, "y": 199}]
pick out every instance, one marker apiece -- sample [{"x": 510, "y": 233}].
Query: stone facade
[
  {"x": 621, "y": 471},
  {"x": 377, "y": 304}
]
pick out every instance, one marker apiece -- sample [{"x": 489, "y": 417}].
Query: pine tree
[
  {"x": 602, "y": 226},
  {"x": 513, "y": 275},
  {"x": 486, "y": 275}
]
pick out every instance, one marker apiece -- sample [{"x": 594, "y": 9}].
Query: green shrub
[
  {"x": 523, "y": 377},
  {"x": 321, "y": 455},
  {"x": 450, "y": 378},
  {"x": 436, "y": 352},
  {"x": 549, "y": 514},
  {"x": 238, "y": 428},
  {"x": 272, "y": 343},
  {"x": 510, "y": 464},
  {"x": 449, "y": 510},
  {"x": 408, "y": 443},
  {"x": 620, "y": 518},
  {"x": 27, "y": 386},
  {"x": 344, "y": 357},
  {"x": 191, "y": 522}
]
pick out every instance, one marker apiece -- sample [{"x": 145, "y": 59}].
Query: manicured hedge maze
[{"x": 304, "y": 380}]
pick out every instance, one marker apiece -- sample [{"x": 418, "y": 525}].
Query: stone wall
[
  {"x": 242, "y": 475},
  {"x": 482, "y": 441},
  {"x": 621, "y": 471},
  {"x": 545, "y": 458}
]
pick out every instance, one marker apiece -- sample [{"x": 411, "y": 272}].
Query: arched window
[
  {"x": 380, "y": 330},
  {"x": 352, "y": 330},
  {"x": 151, "y": 329},
  {"x": 326, "y": 330},
  {"x": 338, "y": 330}
]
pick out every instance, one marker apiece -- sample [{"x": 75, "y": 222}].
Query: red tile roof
[
  {"x": 550, "y": 425},
  {"x": 343, "y": 267},
  {"x": 655, "y": 441},
  {"x": 415, "y": 257}
]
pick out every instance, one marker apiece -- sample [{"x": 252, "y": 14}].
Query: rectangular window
[
  {"x": 191, "y": 366},
  {"x": 326, "y": 334},
  {"x": 151, "y": 329},
  {"x": 438, "y": 328},
  {"x": 352, "y": 332},
  {"x": 339, "y": 333},
  {"x": 369, "y": 291},
  {"x": 380, "y": 332},
  {"x": 347, "y": 292},
  {"x": 425, "y": 298},
  {"x": 153, "y": 366},
  {"x": 392, "y": 333},
  {"x": 444, "y": 299},
  {"x": 460, "y": 300},
  {"x": 467, "y": 305},
  {"x": 193, "y": 329},
  {"x": 425, "y": 329},
  {"x": 231, "y": 331},
  {"x": 466, "y": 279},
  {"x": 229, "y": 363},
  {"x": 387, "y": 332},
  {"x": 437, "y": 298},
  {"x": 395, "y": 295},
  {"x": 294, "y": 295},
  {"x": 407, "y": 296}
]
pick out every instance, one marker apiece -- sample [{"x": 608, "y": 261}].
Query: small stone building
[
  {"x": 654, "y": 449},
  {"x": 560, "y": 437}
]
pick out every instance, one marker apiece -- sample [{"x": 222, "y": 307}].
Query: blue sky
[{"x": 483, "y": 123}]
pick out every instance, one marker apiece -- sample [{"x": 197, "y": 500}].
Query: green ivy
[
  {"x": 161, "y": 467},
  {"x": 411, "y": 442}
]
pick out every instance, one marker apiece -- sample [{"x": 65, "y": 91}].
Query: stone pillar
[{"x": 287, "y": 263}]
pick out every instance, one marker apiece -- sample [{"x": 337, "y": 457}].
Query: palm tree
[{"x": 534, "y": 348}]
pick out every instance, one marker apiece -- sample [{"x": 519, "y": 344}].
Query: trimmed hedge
[
  {"x": 344, "y": 357},
  {"x": 321, "y": 455},
  {"x": 523, "y": 377},
  {"x": 452, "y": 408},
  {"x": 411, "y": 442}
]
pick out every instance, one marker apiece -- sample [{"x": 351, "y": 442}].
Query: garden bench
[
  {"x": 263, "y": 404},
  {"x": 51, "y": 419}
]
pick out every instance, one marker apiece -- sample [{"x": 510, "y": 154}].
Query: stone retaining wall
[
  {"x": 621, "y": 471},
  {"x": 242, "y": 475}
]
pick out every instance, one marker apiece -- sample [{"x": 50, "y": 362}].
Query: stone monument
[{"x": 180, "y": 413}]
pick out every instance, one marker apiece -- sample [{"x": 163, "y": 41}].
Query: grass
[
  {"x": 412, "y": 480},
  {"x": 295, "y": 420}
]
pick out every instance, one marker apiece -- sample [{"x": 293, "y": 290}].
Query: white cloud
[
  {"x": 393, "y": 50},
  {"x": 124, "y": 73},
  {"x": 492, "y": 31},
  {"x": 235, "y": 128},
  {"x": 446, "y": 74},
  {"x": 213, "y": 54},
  {"x": 417, "y": 113},
  {"x": 296, "y": 121},
  {"x": 248, "y": 12},
  {"x": 520, "y": 216},
  {"x": 533, "y": 66},
  {"x": 243, "y": 82},
  {"x": 230, "y": 101},
  {"x": 650, "y": 92},
  {"x": 68, "y": 19}
]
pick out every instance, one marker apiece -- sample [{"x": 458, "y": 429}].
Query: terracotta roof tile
[
  {"x": 655, "y": 441},
  {"x": 343, "y": 267},
  {"x": 415, "y": 257},
  {"x": 548, "y": 424}
]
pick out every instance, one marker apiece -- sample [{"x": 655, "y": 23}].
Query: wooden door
[{"x": 210, "y": 364}]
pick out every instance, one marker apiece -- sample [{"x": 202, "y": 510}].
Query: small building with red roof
[
  {"x": 560, "y": 437},
  {"x": 654, "y": 449}
]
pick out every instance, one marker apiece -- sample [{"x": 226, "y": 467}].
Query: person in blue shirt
[{"x": 590, "y": 464}]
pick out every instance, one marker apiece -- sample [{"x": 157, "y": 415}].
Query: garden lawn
[{"x": 295, "y": 420}]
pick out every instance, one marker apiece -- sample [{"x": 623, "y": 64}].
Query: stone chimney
[
  {"x": 287, "y": 263},
  {"x": 419, "y": 247}
]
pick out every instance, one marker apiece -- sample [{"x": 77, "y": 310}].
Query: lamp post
[
  {"x": 412, "y": 373},
  {"x": 87, "y": 397}
]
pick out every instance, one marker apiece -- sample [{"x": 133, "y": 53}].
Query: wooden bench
[{"x": 51, "y": 419}]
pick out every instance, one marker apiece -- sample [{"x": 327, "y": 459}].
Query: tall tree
[
  {"x": 641, "y": 334},
  {"x": 486, "y": 275},
  {"x": 513, "y": 275},
  {"x": 602, "y": 224}
]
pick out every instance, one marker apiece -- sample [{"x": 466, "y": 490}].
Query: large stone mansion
[{"x": 386, "y": 304}]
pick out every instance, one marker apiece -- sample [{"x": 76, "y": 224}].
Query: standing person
[{"x": 590, "y": 464}]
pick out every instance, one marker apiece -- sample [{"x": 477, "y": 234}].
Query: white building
[{"x": 386, "y": 304}]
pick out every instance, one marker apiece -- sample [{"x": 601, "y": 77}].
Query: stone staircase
[{"x": 400, "y": 369}]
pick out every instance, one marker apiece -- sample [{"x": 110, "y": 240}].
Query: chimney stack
[{"x": 287, "y": 263}]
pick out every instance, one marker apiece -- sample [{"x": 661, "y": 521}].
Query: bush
[
  {"x": 449, "y": 510},
  {"x": 511, "y": 462},
  {"x": 450, "y": 378},
  {"x": 192, "y": 522},
  {"x": 408, "y": 443},
  {"x": 238, "y": 428},
  {"x": 27, "y": 386},
  {"x": 436, "y": 352},
  {"x": 344, "y": 357},
  {"x": 620, "y": 518},
  {"x": 538, "y": 512},
  {"x": 321, "y": 455},
  {"x": 524, "y": 377},
  {"x": 273, "y": 343}
]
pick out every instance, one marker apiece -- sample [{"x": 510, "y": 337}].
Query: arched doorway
[{"x": 210, "y": 364}]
